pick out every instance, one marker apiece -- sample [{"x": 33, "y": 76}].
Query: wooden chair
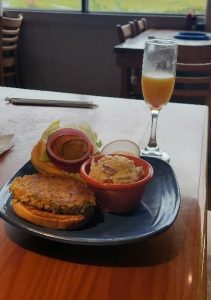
[
  {"x": 10, "y": 36},
  {"x": 126, "y": 31},
  {"x": 140, "y": 25},
  {"x": 193, "y": 86},
  {"x": 193, "y": 83}
]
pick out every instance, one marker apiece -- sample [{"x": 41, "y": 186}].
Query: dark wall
[{"x": 73, "y": 52}]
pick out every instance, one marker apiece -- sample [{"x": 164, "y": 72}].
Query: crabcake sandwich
[{"x": 57, "y": 202}]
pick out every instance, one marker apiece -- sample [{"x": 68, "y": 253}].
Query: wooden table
[
  {"x": 130, "y": 53},
  {"x": 171, "y": 265}
]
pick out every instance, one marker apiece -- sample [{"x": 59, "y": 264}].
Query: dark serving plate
[{"x": 157, "y": 212}]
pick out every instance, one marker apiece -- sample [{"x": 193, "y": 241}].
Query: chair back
[
  {"x": 197, "y": 54},
  {"x": 126, "y": 31},
  {"x": 140, "y": 25},
  {"x": 10, "y": 36},
  {"x": 193, "y": 86},
  {"x": 193, "y": 83}
]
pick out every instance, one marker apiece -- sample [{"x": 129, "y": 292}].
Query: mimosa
[
  {"x": 158, "y": 78},
  {"x": 157, "y": 88}
]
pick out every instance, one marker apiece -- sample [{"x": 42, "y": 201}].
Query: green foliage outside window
[{"x": 147, "y": 6}]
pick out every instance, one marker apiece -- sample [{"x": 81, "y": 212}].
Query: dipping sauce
[
  {"x": 69, "y": 147},
  {"x": 115, "y": 169}
]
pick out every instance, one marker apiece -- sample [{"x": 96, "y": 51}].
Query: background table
[
  {"x": 130, "y": 53},
  {"x": 171, "y": 265}
]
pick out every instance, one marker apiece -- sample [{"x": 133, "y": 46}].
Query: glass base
[{"x": 155, "y": 152}]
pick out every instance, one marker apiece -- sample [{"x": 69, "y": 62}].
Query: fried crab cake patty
[{"x": 56, "y": 194}]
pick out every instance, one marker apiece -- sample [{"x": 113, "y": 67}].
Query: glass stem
[{"x": 153, "y": 140}]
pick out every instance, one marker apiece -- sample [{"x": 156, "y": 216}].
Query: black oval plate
[{"x": 156, "y": 212}]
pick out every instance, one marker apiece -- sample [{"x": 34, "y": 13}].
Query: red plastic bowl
[
  {"x": 118, "y": 198},
  {"x": 62, "y": 136}
]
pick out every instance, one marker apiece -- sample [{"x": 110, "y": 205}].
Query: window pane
[
  {"x": 44, "y": 4},
  {"x": 149, "y": 6}
]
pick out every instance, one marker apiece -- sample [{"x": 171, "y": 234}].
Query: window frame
[{"x": 85, "y": 9}]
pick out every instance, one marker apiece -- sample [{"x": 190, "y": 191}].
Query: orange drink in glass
[
  {"x": 157, "y": 88},
  {"x": 158, "y": 78}
]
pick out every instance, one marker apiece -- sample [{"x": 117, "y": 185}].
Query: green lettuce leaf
[
  {"x": 84, "y": 126},
  {"x": 87, "y": 129},
  {"x": 53, "y": 127}
]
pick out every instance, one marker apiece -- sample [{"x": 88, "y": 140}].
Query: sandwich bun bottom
[{"x": 47, "y": 219}]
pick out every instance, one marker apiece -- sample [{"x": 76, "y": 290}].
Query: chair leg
[
  {"x": 125, "y": 83},
  {"x": 17, "y": 75},
  {"x": 1, "y": 73}
]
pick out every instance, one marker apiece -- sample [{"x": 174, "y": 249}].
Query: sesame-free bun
[
  {"x": 48, "y": 219},
  {"x": 55, "y": 202},
  {"x": 44, "y": 167}
]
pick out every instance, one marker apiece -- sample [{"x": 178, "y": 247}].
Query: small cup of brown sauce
[{"x": 68, "y": 148}]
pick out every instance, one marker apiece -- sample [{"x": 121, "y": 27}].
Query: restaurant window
[
  {"x": 44, "y": 4},
  {"x": 149, "y": 6},
  {"x": 144, "y": 6}
]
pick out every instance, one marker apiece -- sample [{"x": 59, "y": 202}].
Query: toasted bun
[
  {"x": 44, "y": 167},
  {"x": 48, "y": 219}
]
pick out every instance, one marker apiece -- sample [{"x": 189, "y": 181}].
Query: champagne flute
[{"x": 158, "y": 78}]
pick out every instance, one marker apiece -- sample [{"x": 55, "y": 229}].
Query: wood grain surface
[{"x": 171, "y": 265}]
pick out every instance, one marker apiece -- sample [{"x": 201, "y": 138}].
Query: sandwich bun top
[
  {"x": 49, "y": 155},
  {"x": 44, "y": 166}
]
